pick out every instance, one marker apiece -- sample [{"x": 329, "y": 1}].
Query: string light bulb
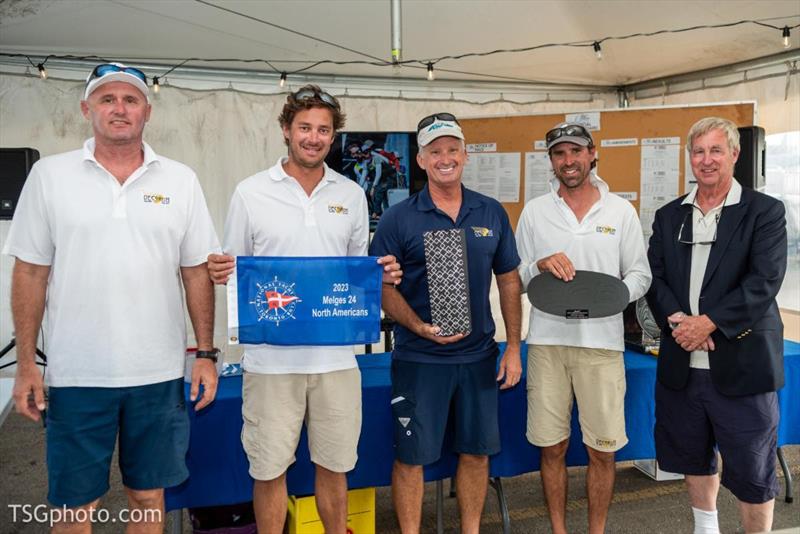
[
  {"x": 430, "y": 72},
  {"x": 786, "y": 34},
  {"x": 156, "y": 85},
  {"x": 282, "y": 82},
  {"x": 597, "y": 50},
  {"x": 42, "y": 71}
]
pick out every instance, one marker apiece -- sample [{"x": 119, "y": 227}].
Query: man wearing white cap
[
  {"x": 103, "y": 239},
  {"x": 436, "y": 377},
  {"x": 579, "y": 224}
]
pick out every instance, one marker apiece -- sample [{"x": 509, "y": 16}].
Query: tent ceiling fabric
[{"x": 173, "y": 30}]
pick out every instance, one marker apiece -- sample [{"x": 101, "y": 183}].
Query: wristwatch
[{"x": 212, "y": 354}]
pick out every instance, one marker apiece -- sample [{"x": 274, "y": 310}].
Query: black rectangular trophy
[{"x": 448, "y": 280}]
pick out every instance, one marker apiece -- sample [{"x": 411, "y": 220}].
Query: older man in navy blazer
[{"x": 718, "y": 257}]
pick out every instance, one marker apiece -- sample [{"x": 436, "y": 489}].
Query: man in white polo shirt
[
  {"x": 579, "y": 225},
  {"x": 103, "y": 237},
  {"x": 300, "y": 207}
]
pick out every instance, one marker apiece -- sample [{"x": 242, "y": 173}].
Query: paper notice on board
[
  {"x": 630, "y": 141},
  {"x": 495, "y": 175},
  {"x": 589, "y": 120},
  {"x": 689, "y": 181},
  {"x": 661, "y": 141},
  {"x": 538, "y": 172},
  {"x": 660, "y": 170},
  {"x": 627, "y": 195},
  {"x": 482, "y": 147}
]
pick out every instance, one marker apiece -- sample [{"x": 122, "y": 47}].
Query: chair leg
[
  {"x": 497, "y": 484},
  {"x": 439, "y": 507},
  {"x": 787, "y": 476}
]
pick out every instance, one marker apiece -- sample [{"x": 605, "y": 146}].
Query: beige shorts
[
  {"x": 597, "y": 377},
  {"x": 275, "y": 406}
]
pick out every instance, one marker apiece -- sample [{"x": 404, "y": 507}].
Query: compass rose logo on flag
[{"x": 275, "y": 301}]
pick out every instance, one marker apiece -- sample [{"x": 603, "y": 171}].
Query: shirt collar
[
  {"x": 469, "y": 199},
  {"x": 90, "y": 144},
  {"x": 594, "y": 179},
  {"x": 733, "y": 197},
  {"x": 277, "y": 173}
]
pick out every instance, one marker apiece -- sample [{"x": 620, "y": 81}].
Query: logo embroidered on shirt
[
  {"x": 609, "y": 230},
  {"x": 482, "y": 232},
  {"x": 155, "y": 198},
  {"x": 337, "y": 209}
]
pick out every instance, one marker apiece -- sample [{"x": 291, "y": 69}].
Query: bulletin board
[{"x": 620, "y": 163}]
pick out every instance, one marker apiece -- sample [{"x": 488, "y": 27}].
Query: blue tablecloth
[{"x": 218, "y": 465}]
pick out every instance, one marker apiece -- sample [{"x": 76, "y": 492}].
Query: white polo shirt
[
  {"x": 114, "y": 314},
  {"x": 704, "y": 231},
  {"x": 271, "y": 215},
  {"x": 608, "y": 240}
]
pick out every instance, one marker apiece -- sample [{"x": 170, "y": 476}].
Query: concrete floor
[{"x": 641, "y": 505}]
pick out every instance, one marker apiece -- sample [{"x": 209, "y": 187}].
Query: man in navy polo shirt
[{"x": 434, "y": 376}]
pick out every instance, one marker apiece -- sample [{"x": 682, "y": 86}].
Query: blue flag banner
[{"x": 305, "y": 301}]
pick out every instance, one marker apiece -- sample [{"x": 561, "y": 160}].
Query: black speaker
[
  {"x": 749, "y": 169},
  {"x": 15, "y": 164}
]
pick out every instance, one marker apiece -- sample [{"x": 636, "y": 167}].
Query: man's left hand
[
  {"x": 510, "y": 368},
  {"x": 392, "y": 275},
  {"x": 204, "y": 372},
  {"x": 692, "y": 331}
]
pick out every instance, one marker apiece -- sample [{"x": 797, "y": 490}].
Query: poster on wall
[
  {"x": 495, "y": 175},
  {"x": 659, "y": 174},
  {"x": 538, "y": 173}
]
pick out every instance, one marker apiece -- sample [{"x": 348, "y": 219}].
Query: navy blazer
[{"x": 745, "y": 269}]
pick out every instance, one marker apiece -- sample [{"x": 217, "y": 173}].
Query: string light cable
[{"x": 427, "y": 65}]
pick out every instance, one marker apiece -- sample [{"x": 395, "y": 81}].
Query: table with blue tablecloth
[{"x": 219, "y": 469}]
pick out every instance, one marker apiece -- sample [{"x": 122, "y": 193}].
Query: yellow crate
[{"x": 304, "y": 518}]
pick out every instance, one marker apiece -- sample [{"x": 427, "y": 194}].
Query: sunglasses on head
[
  {"x": 305, "y": 94},
  {"x": 430, "y": 119},
  {"x": 570, "y": 130},
  {"x": 107, "y": 68}
]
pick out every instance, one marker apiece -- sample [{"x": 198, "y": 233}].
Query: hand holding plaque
[{"x": 588, "y": 295}]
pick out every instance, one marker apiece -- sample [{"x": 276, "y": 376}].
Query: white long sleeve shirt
[{"x": 608, "y": 240}]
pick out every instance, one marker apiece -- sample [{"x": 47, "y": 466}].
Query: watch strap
[{"x": 212, "y": 354}]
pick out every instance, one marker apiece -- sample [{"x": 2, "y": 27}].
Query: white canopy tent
[{"x": 220, "y": 117}]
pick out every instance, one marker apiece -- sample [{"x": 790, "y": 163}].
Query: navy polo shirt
[{"x": 490, "y": 248}]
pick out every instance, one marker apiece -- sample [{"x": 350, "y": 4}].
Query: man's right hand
[
  {"x": 220, "y": 267},
  {"x": 431, "y": 332},
  {"x": 29, "y": 391},
  {"x": 559, "y": 265},
  {"x": 707, "y": 345},
  {"x": 677, "y": 320}
]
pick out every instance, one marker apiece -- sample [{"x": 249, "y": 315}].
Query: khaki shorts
[
  {"x": 597, "y": 377},
  {"x": 275, "y": 406}
]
